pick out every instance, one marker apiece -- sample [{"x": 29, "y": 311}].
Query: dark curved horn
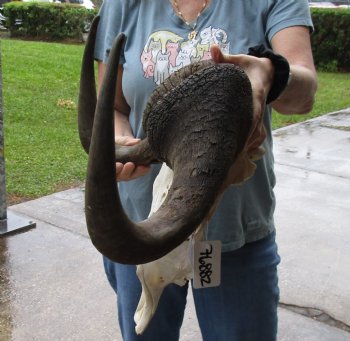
[
  {"x": 197, "y": 127},
  {"x": 87, "y": 93},
  {"x": 140, "y": 153}
]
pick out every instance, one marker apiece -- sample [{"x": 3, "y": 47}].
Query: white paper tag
[{"x": 206, "y": 264}]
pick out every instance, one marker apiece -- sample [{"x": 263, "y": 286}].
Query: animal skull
[
  {"x": 176, "y": 266},
  {"x": 197, "y": 122},
  {"x": 196, "y": 169}
]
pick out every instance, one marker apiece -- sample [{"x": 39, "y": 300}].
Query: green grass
[
  {"x": 40, "y": 87},
  {"x": 333, "y": 94}
]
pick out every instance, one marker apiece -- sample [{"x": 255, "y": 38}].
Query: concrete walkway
[{"x": 53, "y": 287}]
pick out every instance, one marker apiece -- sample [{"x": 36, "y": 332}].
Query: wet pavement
[{"x": 52, "y": 285}]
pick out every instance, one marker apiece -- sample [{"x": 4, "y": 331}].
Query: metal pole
[
  {"x": 9, "y": 222},
  {"x": 3, "y": 213}
]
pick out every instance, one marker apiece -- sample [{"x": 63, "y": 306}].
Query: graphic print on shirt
[{"x": 165, "y": 52}]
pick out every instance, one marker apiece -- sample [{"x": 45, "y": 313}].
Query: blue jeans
[{"x": 242, "y": 308}]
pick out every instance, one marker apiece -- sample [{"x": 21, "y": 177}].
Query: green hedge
[
  {"x": 48, "y": 21},
  {"x": 331, "y": 39}
]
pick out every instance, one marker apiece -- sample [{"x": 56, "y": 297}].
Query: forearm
[
  {"x": 294, "y": 44},
  {"x": 122, "y": 128},
  {"x": 299, "y": 95},
  {"x": 122, "y": 125}
]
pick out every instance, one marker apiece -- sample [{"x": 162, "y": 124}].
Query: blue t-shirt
[{"x": 158, "y": 43}]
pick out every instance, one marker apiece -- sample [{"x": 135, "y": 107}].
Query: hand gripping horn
[{"x": 197, "y": 121}]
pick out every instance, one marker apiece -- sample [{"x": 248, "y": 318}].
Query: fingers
[
  {"x": 256, "y": 138},
  {"x": 237, "y": 59},
  {"x": 126, "y": 140},
  {"x": 219, "y": 57},
  {"x": 129, "y": 171},
  {"x": 257, "y": 134},
  {"x": 253, "y": 68},
  {"x": 216, "y": 54}
]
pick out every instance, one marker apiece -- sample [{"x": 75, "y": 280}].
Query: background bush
[
  {"x": 331, "y": 39},
  {"x": 47, "y": 21},
  {"x": 51, "y": 21}
]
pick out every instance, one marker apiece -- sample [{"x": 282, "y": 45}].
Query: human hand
[
  {"x": 129, "y": 171},
  {"x": 260, "y": 72}
]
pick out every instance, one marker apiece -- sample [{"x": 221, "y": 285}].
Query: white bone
[
  {"x": 156, "y": 275},
  {"x": 176, "y": 266}
]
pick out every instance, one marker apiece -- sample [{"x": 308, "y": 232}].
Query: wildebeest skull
[
  {"x": 176, "y": 266},
  {"x": 197, "y": 122}
]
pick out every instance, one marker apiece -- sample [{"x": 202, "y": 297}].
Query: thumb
[
  {"x": 219, "y": 57},
  {"x": 126, "y": 140},
  {"x": 216, "y": 54}
]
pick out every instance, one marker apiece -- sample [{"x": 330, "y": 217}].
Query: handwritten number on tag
[{"x": 205, "y": 266}]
